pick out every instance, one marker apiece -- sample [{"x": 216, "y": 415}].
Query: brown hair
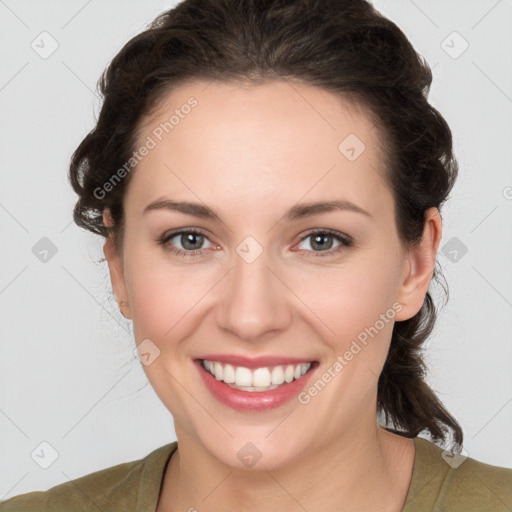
[{"x": 343, "y": 46}]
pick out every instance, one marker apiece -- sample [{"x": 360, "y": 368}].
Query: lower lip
[{"x": 253, "y": 401}]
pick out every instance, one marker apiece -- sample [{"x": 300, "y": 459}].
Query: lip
[
  {"x": 256, "y": 401},
  {"x": 253, "y": 362}
]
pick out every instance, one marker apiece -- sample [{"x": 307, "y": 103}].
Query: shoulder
[
  {"x": 444, "y": 481},
  {"x": 116, "y": 488}
]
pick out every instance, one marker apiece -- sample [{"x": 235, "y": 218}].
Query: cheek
[
  {"x": 350, "y": 300},
  {"x": 167, "y": 303},
  {"x": 165, "y": 297}
]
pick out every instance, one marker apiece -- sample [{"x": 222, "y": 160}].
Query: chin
[{"x": 255, "y": 453}]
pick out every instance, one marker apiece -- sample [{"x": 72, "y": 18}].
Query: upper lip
[{"x": 255, "y": 362}]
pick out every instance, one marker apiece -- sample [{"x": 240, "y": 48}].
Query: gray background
[{"x": 68, "y": 376}]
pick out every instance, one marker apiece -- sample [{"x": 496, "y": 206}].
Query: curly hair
[{"x": 343, "y": 46}]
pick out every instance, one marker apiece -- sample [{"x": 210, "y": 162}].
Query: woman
[{"x": 269, "y": 177}]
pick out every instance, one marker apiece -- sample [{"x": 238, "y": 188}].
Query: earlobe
[
  {"x": 421, "y": 260},
  {"x": 116, "y": 270}
]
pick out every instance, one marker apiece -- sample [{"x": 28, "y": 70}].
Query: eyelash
[{"x": 345, "y": 242}]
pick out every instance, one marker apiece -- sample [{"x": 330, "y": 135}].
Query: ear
[
  {"x": 116, "y": 268},
  {"x": 420, "y": 265}
]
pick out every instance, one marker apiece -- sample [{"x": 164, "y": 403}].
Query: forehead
[{"x": 275, "y": 140}]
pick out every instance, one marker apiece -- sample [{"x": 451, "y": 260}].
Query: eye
[
  {"x": 191, "y": 241},
  {"x": 322, "y": 242}
]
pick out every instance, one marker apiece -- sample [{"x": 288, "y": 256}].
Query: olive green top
[{"x": 439, "y": 483}]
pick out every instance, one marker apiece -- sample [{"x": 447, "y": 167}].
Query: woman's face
[{"x": 260, "y": 283}]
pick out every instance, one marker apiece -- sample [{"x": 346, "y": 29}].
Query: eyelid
[
  {"x": 345, "y": 241},
  {"x": 326, "y": 231},
  {"x": 166, "y": 237}
]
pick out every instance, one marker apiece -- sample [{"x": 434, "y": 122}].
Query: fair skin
[{"x": 251, "y": 153}]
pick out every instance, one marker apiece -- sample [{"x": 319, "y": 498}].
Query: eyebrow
[{"x": 299, "y": 211}]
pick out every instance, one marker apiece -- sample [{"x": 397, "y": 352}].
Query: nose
[{"x": 255, "y": 302}]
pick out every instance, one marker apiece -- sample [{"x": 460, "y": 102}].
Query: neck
[{"x": 360, "y": 471}]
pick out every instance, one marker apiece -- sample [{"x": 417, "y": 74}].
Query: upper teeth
[{"x": 259, "y": 377}]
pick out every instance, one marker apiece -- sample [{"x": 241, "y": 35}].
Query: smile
[
  {"x": 258, "y": 379},
  {"x": 260, "y": 385}
]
